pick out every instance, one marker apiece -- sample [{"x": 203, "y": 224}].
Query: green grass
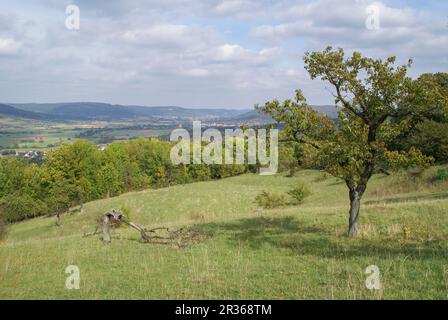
[{"x": 295, "y": 252}]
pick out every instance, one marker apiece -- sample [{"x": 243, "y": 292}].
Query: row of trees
[{"x": 76, "y": 173}]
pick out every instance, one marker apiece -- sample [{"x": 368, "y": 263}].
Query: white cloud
[
  {"x": 235, "y": 7},
  {"x": 236, "y": 53},
  {"x": 9, "y": 46},
  {"x": 228, "y": 53},
  {"x": 404, "y": 31},
  {"x": 196, "y": 72},
  {"x": 163, "y": 35},
  {"x": 345, "y": 24}
]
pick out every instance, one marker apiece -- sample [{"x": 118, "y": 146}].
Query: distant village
[{"x": 35, "y": 156}]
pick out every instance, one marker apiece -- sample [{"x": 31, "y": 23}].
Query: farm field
[
  {"x": 32, "y": 134},
  {"x": 23, "y": 134},
  {"x": 245, "y": 252}
]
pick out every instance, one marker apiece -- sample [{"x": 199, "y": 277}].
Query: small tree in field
[{"x": 375, "y": 101}]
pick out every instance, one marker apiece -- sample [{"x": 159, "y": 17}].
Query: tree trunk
[
  {"x": 355, "y": 194},
  {"x": 106, "y": 228},
  {"x": 58, "y": 219}
]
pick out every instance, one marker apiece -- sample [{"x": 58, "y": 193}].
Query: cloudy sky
[{"x": 209, "y": 53}]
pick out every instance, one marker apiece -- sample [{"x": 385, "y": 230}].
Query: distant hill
[
  {"x": 329, "y": 110},
  {"x": 108, "y": 112},
  {"x": 80, "y": 110},
  {"x": 252, "y": 116},
  {"x": 105, "y": 111},
  {"x": 255, "y": 116},
  {"x": 9, "y": 111}
]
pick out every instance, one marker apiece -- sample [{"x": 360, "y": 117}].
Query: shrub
[
  {"x": 288, "y": 159},
  {"x": 15, "y": 207},
  {"x": 442, "y": 175},
  {"x": 3, "y": 228},
  {"x": 127, "y": 213},
  {"x": 270, "y": 200},
  {"x": 298, "y": 194}
]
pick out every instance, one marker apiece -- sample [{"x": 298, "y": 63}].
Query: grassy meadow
[{"x": 245, "y": 252}]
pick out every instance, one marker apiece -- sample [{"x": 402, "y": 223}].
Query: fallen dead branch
[{"x": 162, "y": 235}]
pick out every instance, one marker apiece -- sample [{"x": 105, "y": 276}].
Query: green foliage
[
  {"x": 427, "y": 128},
  {"x": 430, "y": 137},
  {"x": 12, "y": 175},
  {"x": 288, "y": 157},
  {"x": 3, "y": 228},
  {"x": 126, "y": 211},
  {"x": 77, "y": 173},
  {"x": 16, "y": 207},
  {"x": 441, "y": 175},
  {"x": 376, "y": 102},
  {"x": 270, "y": 200},
  {"x": 298, "y": 194}
]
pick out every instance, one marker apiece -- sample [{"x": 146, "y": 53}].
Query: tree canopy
[
  {"x": 76, "y": 173},
  {"x": 376, "y": 100}
]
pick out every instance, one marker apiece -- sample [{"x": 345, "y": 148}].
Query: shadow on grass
[
  {"x": 256, "y": 231},
  {"x": 432, "y": 196},
  {"x": 298, "y": 238},
  {"x": 336, "y": 183}
]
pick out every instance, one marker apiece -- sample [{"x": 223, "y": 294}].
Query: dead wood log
[
  {"x": 97, "y": 231},
  {"x": 110, "y": 219},
  {"x": 106, "y": 228}
]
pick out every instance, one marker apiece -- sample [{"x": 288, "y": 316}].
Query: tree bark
[
  {"x": 140, "y": 229},
  {"x": 355, "y": 194},
  {"x": 58, "y": 219},
  {"x": 106, "y": 228}
]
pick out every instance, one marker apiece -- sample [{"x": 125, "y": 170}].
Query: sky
[{"x": 193, "y": 53}]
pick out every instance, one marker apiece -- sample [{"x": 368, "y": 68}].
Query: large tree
[{"x": 375, "y": 100}]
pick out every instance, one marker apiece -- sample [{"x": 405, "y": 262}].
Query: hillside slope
[
  {"x": 9, "y": 111},
  {"x": 247, "y": 252},
  {"x": 106, "y": 111}
]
